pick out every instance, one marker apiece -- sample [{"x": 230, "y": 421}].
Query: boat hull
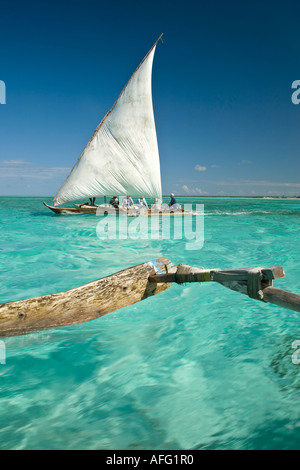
[
  {"x": 105, "y": 209},
  {"x": 63, "y": 210}
]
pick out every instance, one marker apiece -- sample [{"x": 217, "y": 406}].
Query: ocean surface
[{"x": 196, "y": 367}]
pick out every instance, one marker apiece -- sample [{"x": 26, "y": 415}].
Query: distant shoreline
[
  {"x": 242, "y": 197},
  {"x": 182, "y": 197}
]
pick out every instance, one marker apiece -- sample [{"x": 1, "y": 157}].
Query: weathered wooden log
[
  {"x": 83, "y": 303},
  {"x": 129, "y": 286}
]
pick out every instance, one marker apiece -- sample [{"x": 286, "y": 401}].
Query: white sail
[{"x": 122, "y": 156}]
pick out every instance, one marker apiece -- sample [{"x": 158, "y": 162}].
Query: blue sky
[{"x": 222, "y": 80}]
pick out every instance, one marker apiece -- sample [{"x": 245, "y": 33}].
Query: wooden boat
[
  {"x": 103, "y": 210},
  {"x": 132, "y": 285},
  {"x": 122, "y": 156},
  {"x": 106, "y": 209}
]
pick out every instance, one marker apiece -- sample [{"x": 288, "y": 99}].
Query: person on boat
[
  {"x": 92, "y": 202},
  {"x": 142, "y": 203},
  {"x": 157, "y": 206},
  {"x": 114, "y": 202},
  {"x": 127, "y": 202},
  {"x": 173, "y": 203}
]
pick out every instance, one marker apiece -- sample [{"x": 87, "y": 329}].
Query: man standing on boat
[{"x": 92, "y": 202}]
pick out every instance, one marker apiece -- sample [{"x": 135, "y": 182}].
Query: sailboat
[{"x": 122, "y": 157}]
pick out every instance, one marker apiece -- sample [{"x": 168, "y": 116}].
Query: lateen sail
[{"x": 122, "y": 156}]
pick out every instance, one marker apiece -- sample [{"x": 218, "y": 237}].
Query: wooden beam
[
  {"x": 187, "y": 273},
  {"x": 83, "y": 303},
  {"x": 239, "y": 280},
  {"x": 282, "y": 298}
]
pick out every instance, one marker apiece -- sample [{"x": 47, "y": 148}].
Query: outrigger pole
[
  {"x": 257, "y": 283},
  {"x": 132, "y": 285}
]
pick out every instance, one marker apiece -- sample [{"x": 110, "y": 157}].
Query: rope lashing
[
  {"x": 253, "y": 278},
  {"x": 182, "y": 278},
  {"x": 186, "y": 273}
]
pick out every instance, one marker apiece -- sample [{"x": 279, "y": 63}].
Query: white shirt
[
  {"x": 127, "y": 201},
  {"x": 142, "y": 203}
]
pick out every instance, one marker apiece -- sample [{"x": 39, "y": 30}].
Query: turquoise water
[{"x": 196, "y": 367}]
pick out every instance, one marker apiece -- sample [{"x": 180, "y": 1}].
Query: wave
[{"x": 254, "y": 213}]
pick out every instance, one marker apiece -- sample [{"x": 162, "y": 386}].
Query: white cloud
[
  {"x": 23, "y": 169},
  {"x": 14, "y": 162},
  {"x": 245, "y": 162},
  {"x": 258, "y": 183},
  {"x": 197, "y": 191},
  {"x": 192, "y": 190},
  {"x": 200, "y": 168},
  {"x": 214, "y": 166}
]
